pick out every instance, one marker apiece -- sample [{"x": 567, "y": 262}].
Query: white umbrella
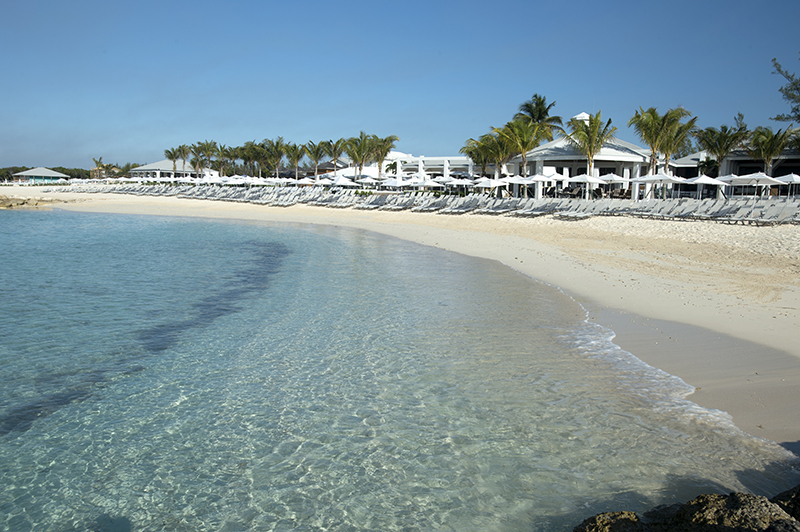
[
  {"x": 791, "y": 180},
  {"x": 343, "y": 181},
  {"x": 702, "y": 180},
  {"x": 430, "y": 183},
  {"x": 588, "y": 179},
  {"x": 757, "y": 179},
  {"x": 658, "y": 179},
  {"x": 490, "y": 183}
]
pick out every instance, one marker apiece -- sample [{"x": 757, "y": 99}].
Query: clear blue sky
[{"x": 126, "y": 80}]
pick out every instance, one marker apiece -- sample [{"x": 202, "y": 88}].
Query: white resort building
[{"x": 164, "y": 170}]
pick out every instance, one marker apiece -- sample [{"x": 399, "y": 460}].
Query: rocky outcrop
[
  {"x": 707, "y": 513},
  {"x": 14, "y": 202}
]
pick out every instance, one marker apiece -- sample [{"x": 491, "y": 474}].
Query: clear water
[{"x": 184, "y": 374}]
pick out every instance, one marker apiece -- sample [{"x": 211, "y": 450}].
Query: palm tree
[
  {"x": 275, "y": 150},
  {"x": 767, "y": 145},
  {"x": 476, "y": 151},
  {"x": 537, "y": 110},
  {"x": 499, "y": 150},
  {"x": 675, "y": 136},
  {"x": 361, "y": 150},
  {"x": 316, "y": 151},
  {"x": 523, "y": 135},
  {"x": 199, "y": 153},
  {"x": 589, "y": 136},
  {"x": 647, "y": 125},
  {"x": 295, "y": 153},
  {"x": 184, "y": 151},
  {"x": 209, "y": 149},
  {"x": 720, "y": 142},
  {"x": 660, "y": 132},
  {"x": 173, "y": 155},
  {"x": 382, "y": 148},
  {"x": 335, "y": 148}
]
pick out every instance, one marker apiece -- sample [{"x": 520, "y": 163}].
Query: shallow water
[{"x": 185, "y": 374}]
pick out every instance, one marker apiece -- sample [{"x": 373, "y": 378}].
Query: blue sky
[{"x": 126, "y": 80}]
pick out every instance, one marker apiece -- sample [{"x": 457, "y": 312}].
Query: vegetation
[
  {"x": 766, "y": 145},
  {"x": 719, "y": 142},
  {"x": 790, "y": 92},
  {"x": 663, "y": 134},
  {"x": 588, "y": 136}
]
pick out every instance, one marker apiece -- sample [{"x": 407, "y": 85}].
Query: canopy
[
  {"x": 758, "y": 178},
  {"x": 583, "y": 178}
]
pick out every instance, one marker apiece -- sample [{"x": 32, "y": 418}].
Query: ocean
[{"x": 166, "y": 373}]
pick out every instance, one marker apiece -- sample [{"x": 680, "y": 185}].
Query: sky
[{"x": 127, "y": 80}]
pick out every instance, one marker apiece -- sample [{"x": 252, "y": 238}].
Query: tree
[
  {"x": 316, "y": 151},
  {"x": 210, "y": 150},
  {"x": 173, "y": 155},
  {"x": 589, "y": 136},
  {"x": 361, "y": 150},
  {"x": 790, "y": 92},
  {"x": 295, "y": 153},
  {"x": 675, "y": 136},
  {"x": 766, "y": 145},
  {"x": 335, "y": 149},
  {"x": 537, "y": 110},
  {"x": 720, "y": 142},
  {"x": 661, "y": 133},
  {"x": 199, "y": 160},
  {"x": 184, "y": 151},
  {"x": 382, "y": 148},
  {"x": 275, "y": 149},
  {"x": 523, "y": 135},
  {"x": 477, "y": 152},
  {"x": 498, "y": 150}
]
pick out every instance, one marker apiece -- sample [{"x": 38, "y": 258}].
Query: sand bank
[{"x": 714, "y": 304}]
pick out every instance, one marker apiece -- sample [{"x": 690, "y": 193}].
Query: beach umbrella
[
  {"x": 588, "y": 180},
  {"x": 659, "y": 179},
  {"x": 791, "y": 179},
  {"x": 758, "y": 179},
  {"x": 369, "y": 180},
  {"x": 490, "y": 183},
  {"x": 703, "y": 180}
]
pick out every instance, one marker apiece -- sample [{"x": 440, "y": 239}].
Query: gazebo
[{"x": 41, "y": 175}]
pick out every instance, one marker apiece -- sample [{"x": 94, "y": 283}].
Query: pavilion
[{"x": 41, "y": 175}]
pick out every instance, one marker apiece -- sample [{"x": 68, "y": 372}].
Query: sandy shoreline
[{"x": 714, "y": 304}]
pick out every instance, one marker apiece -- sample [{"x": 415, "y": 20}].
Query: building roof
[
  {"x": 164, "y": 166},
  {"x": 561, "y": 149},
  {"x": 691, "y": 160},
  {"x": 41, "y": 172}
]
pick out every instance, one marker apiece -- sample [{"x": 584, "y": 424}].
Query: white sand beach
[{"x": 714, "y": 304}]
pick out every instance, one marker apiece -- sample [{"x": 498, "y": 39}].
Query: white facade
[{"x": 164, "y": 170}]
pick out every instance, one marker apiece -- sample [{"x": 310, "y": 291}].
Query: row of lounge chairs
[{"x": 760, "y": 211}]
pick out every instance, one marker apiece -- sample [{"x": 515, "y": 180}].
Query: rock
[
  {"x": 707, "y": 513},
  {"x": 739, "y": 511},
  {"x": 13, "y": 202},
  {"x": 611, "y": 522},
  {"x": 789, "y": 501}
]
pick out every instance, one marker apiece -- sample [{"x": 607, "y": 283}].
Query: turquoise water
[{"x": 183, "y": 374}]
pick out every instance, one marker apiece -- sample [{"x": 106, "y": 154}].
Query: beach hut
[{"x": 40, "y": 175}]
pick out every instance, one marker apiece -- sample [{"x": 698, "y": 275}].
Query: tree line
[
  {"x": 667, "y": 135},
  {"x": 268, "y": 156}
]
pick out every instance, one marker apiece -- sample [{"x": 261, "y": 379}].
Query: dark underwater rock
[{"x": 707, "y": 513}]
